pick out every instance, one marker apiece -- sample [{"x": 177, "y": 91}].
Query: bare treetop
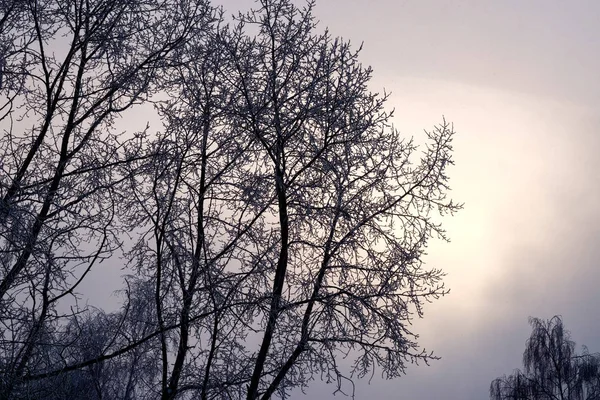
[{"x": 274, "y": 227}]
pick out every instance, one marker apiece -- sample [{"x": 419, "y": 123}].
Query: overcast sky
[{"x": 520, "y": 81}]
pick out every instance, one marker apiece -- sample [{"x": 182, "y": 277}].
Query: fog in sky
[{"x": 519, "y": 80}]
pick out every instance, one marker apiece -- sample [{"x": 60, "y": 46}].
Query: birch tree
[{"x": 552, "y": 368}]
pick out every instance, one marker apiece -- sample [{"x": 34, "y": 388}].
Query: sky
[{"x": 519, "y": 80}]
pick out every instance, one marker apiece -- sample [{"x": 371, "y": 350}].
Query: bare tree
[
  {"x": 279, "y": 220},
  {"x": 85, "y": 338},
  {"x": 285, "y": 219},
  {"x": 69, "y": 70},
  {"x": 553, "y": 370}
]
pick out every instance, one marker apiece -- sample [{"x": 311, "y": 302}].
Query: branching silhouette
[
  {"x": 274, "y": 224},
  {"x": 552, "y": 368}
]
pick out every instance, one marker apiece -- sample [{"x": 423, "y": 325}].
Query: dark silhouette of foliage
[{"x": 552, "y": 368}]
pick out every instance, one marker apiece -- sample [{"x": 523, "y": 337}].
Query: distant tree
[{"x": 552, "y": 368}]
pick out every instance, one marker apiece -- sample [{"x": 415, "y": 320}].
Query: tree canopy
[{"x": 273, "y": 224}]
